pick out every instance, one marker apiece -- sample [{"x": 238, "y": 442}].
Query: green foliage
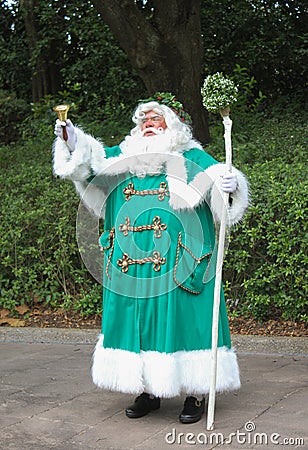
[
  {"x": 247, "y": 98},
  {"x": 39, "y": 258},
  {"x": 68, "y": 50},
  {"x": 168, "y": 99},
  {"x": 15, "y": 75},
  {"x": 266, "y": 263},
  {"x": 12, "y": 112},
  {"x": 236, "y": 91},
  {"x": 72, "y": 46},
  {"x": 108, "y": 86},
  {"x": 269, "y": 38}
]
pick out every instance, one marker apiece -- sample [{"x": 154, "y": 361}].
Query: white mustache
[{"x": 159, "y": 130}]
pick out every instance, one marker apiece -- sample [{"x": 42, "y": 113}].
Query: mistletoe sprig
[
  {"x": 168, "y": 99},
  {"x": 218, "y": 92}
]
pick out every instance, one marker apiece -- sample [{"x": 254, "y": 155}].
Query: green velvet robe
[
  {"x": 159, "y": 273},
  {"x": 159, "y": 264}
]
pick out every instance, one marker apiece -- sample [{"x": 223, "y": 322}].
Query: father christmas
[{"x": 160, "y": 195}]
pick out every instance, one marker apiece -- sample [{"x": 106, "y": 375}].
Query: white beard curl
[{"x": 147, "y": 155}]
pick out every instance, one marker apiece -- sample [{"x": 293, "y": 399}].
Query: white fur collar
[
  {"x": 172, "y": 163},
  {"x": 90, "y": 154},
  {"x": 141, "y": 164}
]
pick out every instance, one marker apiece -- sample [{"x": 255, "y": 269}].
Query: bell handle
[{"x": 65, "y": 137}]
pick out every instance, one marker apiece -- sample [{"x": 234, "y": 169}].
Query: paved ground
[{"x": 48, "y": 400}]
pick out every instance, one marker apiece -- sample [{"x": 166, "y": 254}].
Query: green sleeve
[{"x": 197, "y": 160}]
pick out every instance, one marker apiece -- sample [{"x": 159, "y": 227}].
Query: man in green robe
[{"x": 160, "y": 195}]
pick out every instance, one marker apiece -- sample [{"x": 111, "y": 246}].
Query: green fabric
[
  {"x": 144, "y": 309},
  {"x": 109, "y": 152}
]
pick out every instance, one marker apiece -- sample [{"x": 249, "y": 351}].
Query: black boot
[
  {"x": 192, "y": 411},
  {"x": 142, "y": 406}
]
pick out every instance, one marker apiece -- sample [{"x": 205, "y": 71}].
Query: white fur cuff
[
  {"x": 207, "y": 186},
  {"x": 240, "y": 198},
  {"x": 75, "y": 165}
]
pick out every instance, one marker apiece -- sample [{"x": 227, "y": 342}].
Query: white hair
[{"x": 180, "y": 132}]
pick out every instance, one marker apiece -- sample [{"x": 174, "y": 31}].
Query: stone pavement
[{"x": 49, "y": 402}]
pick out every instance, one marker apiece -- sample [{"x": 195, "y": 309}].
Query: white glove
[
  {"x": 70, "y": 130},
  {"x": 229, "y": 183}
]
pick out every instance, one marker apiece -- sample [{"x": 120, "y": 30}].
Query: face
[{"x": 152, "y": 120}]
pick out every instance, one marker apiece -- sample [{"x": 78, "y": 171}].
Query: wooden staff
[{"x": 220, "y": 257}]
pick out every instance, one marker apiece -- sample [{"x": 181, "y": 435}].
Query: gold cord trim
[
  {"x": 156, "y": 225},
  {"x": 161, "y": 192},
  {"x": 198, "y": 260},
  {"x": 107, "y": 247},
  {"x": 126, "y": 261}
]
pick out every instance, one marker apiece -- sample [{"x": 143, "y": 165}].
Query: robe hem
[{"x": 164, "y": 375}]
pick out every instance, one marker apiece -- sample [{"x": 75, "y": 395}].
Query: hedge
[{"x": 40, "y": 262}]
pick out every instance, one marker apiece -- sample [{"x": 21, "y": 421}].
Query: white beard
[{"x": 146, "y": 154}]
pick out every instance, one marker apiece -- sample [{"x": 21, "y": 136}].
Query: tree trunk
[
  {"x": 45, "y": 74},
  {"x": 166, "y": 50}
]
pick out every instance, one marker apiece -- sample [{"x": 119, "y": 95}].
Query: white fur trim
[
  {"x": 76, "y": 166},
  {"x": 185, "y": 195},
  {"x": 193, "y": 143},
  {"x": 73, "y": 165},
  {"x": 117, "y": 370},
  {"x": 162, "y": 374},
  {"x": 127, "y": 162},
  {"x": 89, "y": 155},
  {"x": 100, "y": 164},
  {"x": 94, "y": 197},
  {"x": 240, "y": 198},
  {"x": 205, "y": 185}
]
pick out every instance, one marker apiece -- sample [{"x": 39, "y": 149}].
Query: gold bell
[{"x": 62, "y": 111}]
